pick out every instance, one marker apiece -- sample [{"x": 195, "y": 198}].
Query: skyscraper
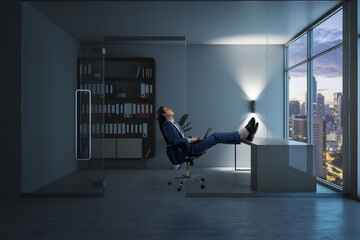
[
  {"x": 319, "y": 138},
  {"x": 320, "y": 106},
  {"x": 294, "y": 108},
  {"x": 299, "y": 128}
]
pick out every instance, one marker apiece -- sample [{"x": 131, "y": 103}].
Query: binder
[
  {"x": 100, "y": 108},
  {"x": 151, "y": 109},
  {"x": 106, "y": 89},
  {"x": 143, "y": 72},
  {"x": 102, "y": 90},
  {"x": 138, "y": 110},
  {"x": 113, "y": 108},
  {"x": 142, "y": 90},
  {"x": 127, "y": 129},
  {"x": 87, "y": 109},
  {"x": 108, "y": 111},
  {"x": 134, "y": 109},
  {"x": 106, "y": 128},
  {"x": 117, "y": 109},
  {"x": 136, "y": 128},
  {"x": 111, "y": 89},
  {"x": 102, "y": 129},
  {"x": 115, "y": 128},
  {"x": 98, "y": 129},
  {"x": 111, "y": 129},
  {"x": 98, "y": 90},
  {"x": 151, "y": 89},
  {"x": 142, "y": 110},
  {"x": 132, "y": 128},
  {"x": 121, "y": 108},
  {"x": 140, "y": 128},
  {"x": 93, "y": 91},
  {"x": 119, "y": 128},
  {"x": 146, "y": 110},
  {"x": 123, "y": 129},
  {"x": 126, "y": 110},
  {"x": 104, "y": 108},
  {"x": 146, "y": 90},
  {"x": 85, "y": 128},
  {"x": 145, "y": 132},
  {"x": 130, "y": 109},
  {"x": 138, "y": 72}
]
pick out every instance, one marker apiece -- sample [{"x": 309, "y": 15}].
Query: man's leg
[{"x": 227, "y": 138}]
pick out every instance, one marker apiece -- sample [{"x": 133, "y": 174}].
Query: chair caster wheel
[
  {"x": 169, "y": 183},
  {"x": 203, "y": 179},
  {"x": 179, "y": 189},
  {"x": 202, "y": 186}
]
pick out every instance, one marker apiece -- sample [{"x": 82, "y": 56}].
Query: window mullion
[{"x": 310, "y": 115}]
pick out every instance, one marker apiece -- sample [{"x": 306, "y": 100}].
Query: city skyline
[{"x": 327, "y": 68}]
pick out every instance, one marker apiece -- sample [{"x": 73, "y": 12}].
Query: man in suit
[{"x": 183, "y": 145}]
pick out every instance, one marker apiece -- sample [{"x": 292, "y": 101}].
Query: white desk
[{"x": 282, "y": 165}]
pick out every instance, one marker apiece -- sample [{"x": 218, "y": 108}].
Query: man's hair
[{"x": 160, "y": 116}]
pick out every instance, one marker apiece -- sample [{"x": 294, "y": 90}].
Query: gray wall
[
  {"x": 221, "y": 80},
  {"x": 49, "y": 60}
]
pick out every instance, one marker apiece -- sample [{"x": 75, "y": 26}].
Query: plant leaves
[
  {"x": 183, "y": 119},
  {"x": 188, "y": 129},
  {"x": 186, "y": 125}
]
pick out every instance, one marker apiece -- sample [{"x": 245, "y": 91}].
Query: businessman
[{"x": 183, "y": 145}]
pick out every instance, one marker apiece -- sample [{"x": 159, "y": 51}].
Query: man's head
[{"x": 165, "y": 113}]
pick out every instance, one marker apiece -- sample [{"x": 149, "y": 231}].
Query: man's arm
[{"x": 172, "y": 135}]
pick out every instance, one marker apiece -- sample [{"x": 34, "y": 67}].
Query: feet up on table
[{"x": 252, "y": 132}]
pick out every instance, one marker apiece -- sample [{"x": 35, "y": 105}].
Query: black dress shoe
[
  {"x": 250, "y": 124},
  {"x": 252, "y": 132}
]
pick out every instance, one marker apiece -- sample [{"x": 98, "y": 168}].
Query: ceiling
[{"x": 201, "y": 22}]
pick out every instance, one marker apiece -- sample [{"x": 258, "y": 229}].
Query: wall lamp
[{"x": 252, "y": 106}]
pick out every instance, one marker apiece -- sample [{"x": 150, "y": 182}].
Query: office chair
[{"x": 189, "y": 161}]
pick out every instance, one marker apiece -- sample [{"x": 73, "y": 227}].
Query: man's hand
[{"x": 195, "y": 139}]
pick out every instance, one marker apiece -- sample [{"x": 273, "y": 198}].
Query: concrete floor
[{"x": 138, "y": 204}]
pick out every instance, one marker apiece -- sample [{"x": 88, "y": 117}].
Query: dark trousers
[{"x": 196, "y": 149}]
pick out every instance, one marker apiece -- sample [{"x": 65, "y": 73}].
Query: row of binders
[
  {"x": 86, "y": 69},
  {"x": 98, "y": 89},
  {"x": 128, "y": 110},
  {"x": 144, "y": 72},
  {"x": 146, "y": 90},
  {"x": 115, "y": 130}
]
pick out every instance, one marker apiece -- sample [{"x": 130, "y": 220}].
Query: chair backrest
[{"x": 160, "y": 121}]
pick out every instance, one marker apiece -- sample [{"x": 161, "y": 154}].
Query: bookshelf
[{"x": 122, "y": 106}]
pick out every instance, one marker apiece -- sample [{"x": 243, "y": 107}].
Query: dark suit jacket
[{"x": 178, "y": 151}]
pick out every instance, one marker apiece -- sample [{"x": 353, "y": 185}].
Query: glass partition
[{"x": 62, "y": 97}]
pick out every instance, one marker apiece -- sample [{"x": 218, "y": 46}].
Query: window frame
[{"x": 309, "y": 61}]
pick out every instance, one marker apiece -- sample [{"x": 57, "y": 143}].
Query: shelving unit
[{"x": 124, "y": 104}]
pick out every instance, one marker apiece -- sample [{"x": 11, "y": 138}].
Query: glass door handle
[{"x": 76, "y": 124}]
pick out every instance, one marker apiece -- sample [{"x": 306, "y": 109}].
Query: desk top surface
[{"x": 273, "y": 141}]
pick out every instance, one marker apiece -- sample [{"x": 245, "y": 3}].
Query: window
[{"x": 322, "y": 65}]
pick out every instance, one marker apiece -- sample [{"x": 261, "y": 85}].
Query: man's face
[{"x": 168, "y": 112}]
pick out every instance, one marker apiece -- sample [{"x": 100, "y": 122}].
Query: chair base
[{"x": 188, "y": 177}]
